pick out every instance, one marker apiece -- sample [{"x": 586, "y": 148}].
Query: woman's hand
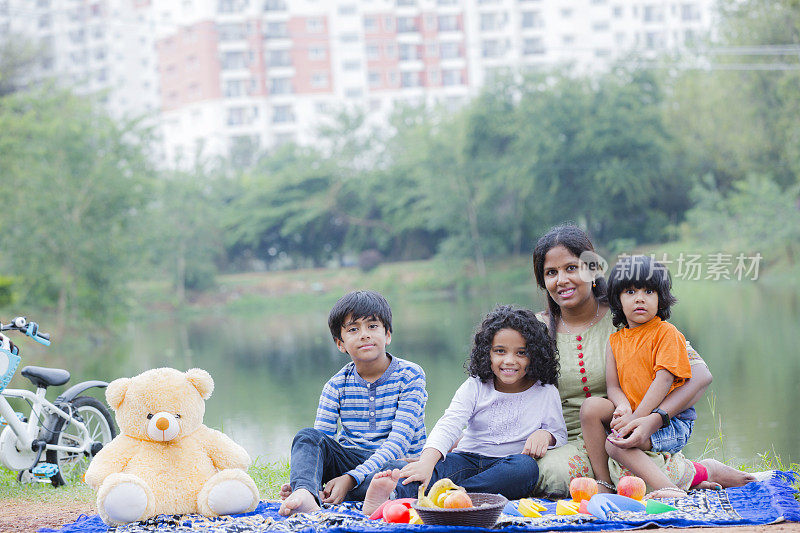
[{"x": 537, "y": 444}]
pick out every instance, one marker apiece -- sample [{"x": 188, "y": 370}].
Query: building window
[
  {"x": 373, "y": 52},
  {"x": 532, "y": 19},
  {"x": 491, "y": 48},
  {"x": 617, "y": 11},
  {"x": 566, "y": 13},
  {"x": 370, "y": 24},
  {"x": 279, "y": 58},
  {"x": 408, "y": 52},
  {"x": 388, "y": 23},
  {"x": 434, "y": 77},
  {"x": 353, "y": 92},
  {"x": 276, "y": 30},
  {"x": 230, "y": 32},
  {"x": 317, "y": 53},
  {"x": 432, "y": 50},
  {"x": 568, "y": 39},
  {"x": 274, "y": 5},
  {"x": 280, "y": 86},
  {"x": 374, "y": 78},
  {"x": 409, "y": 79},
  {"x": 314, "y": 25},
  {"x": 452, "y": 77},
  {"x": 654, "y": 40},
  {"x": 489, "y": 21},
  {"x": 600, "y": 26},
  {"x": 282, "y": 114},
  {"x": 533, "y": 46},
  {"x": 449, "y": 50},
  {"x": 349, "y": 38},
  {"x": 406, "y": 24},
  {"x": 348, "y": 9},
  {"x": 234, "y": 88},
  {"x": 653, "y": 13},
  {"x": 233, "y": 60},
  {"x": 690, "y": 12},
  {"x": 319, "y": 80},
  {"x": 351, "y": 65},
  {"x": 448, "y": 23}
]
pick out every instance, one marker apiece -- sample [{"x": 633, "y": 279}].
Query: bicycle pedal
[
  {"x": 3, "y": 422},
  {"x": 44, "y": 470}
]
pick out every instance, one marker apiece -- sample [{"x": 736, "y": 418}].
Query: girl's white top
[{"x": 497, "y": 423}]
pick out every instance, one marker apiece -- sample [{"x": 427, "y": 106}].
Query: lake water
[{"x": 269, "y": 367}]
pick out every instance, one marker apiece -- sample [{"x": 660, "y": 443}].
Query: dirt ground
[{"x": 18, "y": 516}]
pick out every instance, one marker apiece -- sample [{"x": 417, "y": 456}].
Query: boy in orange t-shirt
[{"x": 645, "y": 361}]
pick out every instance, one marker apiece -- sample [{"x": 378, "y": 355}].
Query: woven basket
[{"x": 483, "y": 513}]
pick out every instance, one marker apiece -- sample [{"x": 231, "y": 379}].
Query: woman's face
[{"x": 564, "y": 276}]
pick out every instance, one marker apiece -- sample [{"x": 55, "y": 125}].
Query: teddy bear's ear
[
  {"x": 202, "y": 382},
  {"x": 116, "y": 391}
]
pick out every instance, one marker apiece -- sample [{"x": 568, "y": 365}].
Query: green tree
[{"x": 73, "y": 184}]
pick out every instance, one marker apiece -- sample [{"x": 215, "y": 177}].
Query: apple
[
  {"x": 458, "y": 500},
  {"x": 632, "y": 487},
  {"x": 582, "y": 488}
]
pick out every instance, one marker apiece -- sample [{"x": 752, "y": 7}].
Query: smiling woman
[{"x": 578, "y": 318}]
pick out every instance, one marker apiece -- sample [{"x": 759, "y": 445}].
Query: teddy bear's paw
[
  {"x": 125, "y": 503},
  {"x": 228, "y": 492}
]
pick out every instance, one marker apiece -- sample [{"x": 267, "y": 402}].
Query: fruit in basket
[
  {"x": 582, "y": 488},
  {"x": 632, "y": 487},
  {"x": 439, "y": 488},
  {"x": 457, "y": 499},
  {"x": 422, "y": 500}
]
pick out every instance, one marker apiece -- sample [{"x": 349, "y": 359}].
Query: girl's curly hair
[{"x": 540, "y": 346}]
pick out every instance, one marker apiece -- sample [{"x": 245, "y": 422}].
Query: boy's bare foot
[
  {"x": 286, "y": 491},
  {"x": 380, "y": 489},
  {"x": 300, "y": 501},
  {"x": 667, "y": 492},
  {"x": 725, "y": 475}
]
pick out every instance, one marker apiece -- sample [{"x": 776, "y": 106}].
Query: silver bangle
[{"x": 606, "y": 484}]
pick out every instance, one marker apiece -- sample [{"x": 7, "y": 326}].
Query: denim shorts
[{"x": 672, "y": 438}]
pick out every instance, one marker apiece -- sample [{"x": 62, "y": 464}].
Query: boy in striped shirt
[{"x": 377, "y": 398}]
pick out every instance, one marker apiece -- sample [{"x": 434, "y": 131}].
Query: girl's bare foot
[
  {"x": 725, "y": 475},
  {"x": 300, "y": 501},
  {"x": 667, "y": 492},
  {"x": 380, "y": 490},
  {"x": 286, "y": 491}
]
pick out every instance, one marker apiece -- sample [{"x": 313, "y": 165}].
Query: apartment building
[
  {"x": 101, "y": 47},
  {"x": 266, "y": 72}
]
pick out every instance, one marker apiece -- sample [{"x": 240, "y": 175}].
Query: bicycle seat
[{"x": 45, "y": 377}]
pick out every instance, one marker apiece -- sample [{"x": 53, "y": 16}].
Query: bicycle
[{"x": 68, "y": 431}]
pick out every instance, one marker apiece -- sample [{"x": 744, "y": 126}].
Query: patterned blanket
[{"x": 762, "y": 502}]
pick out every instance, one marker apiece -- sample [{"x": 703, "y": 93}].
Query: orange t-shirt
[{"x": 642, "y": 351}]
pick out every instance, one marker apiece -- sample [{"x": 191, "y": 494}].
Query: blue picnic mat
[{"x": 756, "y": 503}]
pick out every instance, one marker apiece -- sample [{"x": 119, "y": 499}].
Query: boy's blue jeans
[
  {"x": 317, "y": 458},
  {"x": 513, "y": 476}
]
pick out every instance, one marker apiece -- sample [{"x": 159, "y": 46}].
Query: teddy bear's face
[{"x": 161, "y": 404}]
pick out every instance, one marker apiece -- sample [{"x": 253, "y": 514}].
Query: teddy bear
[{"x": 164, "y": 460}]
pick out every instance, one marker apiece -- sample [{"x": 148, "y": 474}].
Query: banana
[
  {"x": 439, "y": 488},
  {"x": 422, "y": 500}
]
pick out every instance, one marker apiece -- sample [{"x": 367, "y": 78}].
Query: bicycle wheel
[{"x": 97, "y": 419}]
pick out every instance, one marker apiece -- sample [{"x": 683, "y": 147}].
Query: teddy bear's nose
[{"x": 162, "y": 424}]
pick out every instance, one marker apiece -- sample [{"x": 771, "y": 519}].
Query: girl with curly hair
[{"x": 511, "y": 410}]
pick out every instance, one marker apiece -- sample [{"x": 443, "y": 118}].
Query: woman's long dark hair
[
  {"x": 577, "y": 242},
  {"x": 540, "y": 347}
]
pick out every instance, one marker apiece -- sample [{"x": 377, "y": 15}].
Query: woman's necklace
[{"x": 584, "y": 327}]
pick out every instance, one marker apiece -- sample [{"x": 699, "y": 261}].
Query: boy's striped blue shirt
[{"x": 386, "y": 416}]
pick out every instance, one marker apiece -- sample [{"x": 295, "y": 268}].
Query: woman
[{"x": 578, "y": 317}]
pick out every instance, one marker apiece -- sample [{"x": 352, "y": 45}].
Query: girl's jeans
[
  {"x": 317, "y": 458},
  {"x": 513, "y": 476}
]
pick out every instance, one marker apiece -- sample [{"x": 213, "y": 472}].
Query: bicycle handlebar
[{"x": 31, "y": 329}]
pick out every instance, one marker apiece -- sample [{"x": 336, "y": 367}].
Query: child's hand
[
  {"x": 417, "y": 471},
  {"x": 537, "y": 444},
  {"x": 622, "y": 415},
  {"x": 336, "y": 489},
  {"x": 635, "y": 434}
]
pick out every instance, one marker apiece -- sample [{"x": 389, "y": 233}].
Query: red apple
[
  {"x": 632, "y": 487},
  {"x": 582, "y": 488},
  {"x": 396, "y": 513}
]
